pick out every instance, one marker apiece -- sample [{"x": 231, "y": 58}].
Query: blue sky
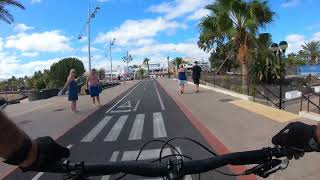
[{"x": 48, "y": 31}]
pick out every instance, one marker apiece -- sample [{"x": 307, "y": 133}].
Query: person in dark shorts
[
  {"x": 71, "y": 84},
  {"x": 196, "y": 74},
  {"x": 93, "y": 86}
]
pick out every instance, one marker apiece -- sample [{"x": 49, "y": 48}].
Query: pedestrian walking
[
  {"x": 196, "y": 74},
  {"x": 93, "y": 86},
  {"x": 71, "y": 84},
  {"x": 182, "y": 78}
]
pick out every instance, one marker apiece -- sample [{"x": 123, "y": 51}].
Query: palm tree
[
  {"x": 177, "y": 61},
  {"x": 146, "y": 62},
  {"x": 4, "y": 13},
  {"x": 313, "y": 50},
  {"x": 237, "y": 21}
]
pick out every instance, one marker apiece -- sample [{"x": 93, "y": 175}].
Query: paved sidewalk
[
  {"x": 53, "y": 117},
  {"x": 242, "y": 128}
]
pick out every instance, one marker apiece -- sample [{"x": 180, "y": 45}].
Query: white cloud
[
  {"x": 198, "y": 14},
  {"x": 179, "y": 8},
  {"x": 296, "y": 40},
  {"x": 92, "y": 49},
  {"x": 316, "y": 36},
  {"x": 35, "y": 1},
  {"x": 49, "y": 41},
  {"x": 1, "y": 44},
  {"x": 30, "y": 54},
  {"x": 10, "y": 65},
  {"x": 22, "y": 28},
  {"x": 133, "y": 30},
  {"x": 103, "y": 0},
  {"x": 290, "y": 3},
  {"x": 186, "y": 49}
]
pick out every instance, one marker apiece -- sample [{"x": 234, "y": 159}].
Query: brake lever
[{"x": 264, "y": 170}]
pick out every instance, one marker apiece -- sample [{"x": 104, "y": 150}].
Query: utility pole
[
  {"x": 168, "y": 67},
  {"x": 89, "y": 37},
  {"x": 111, "y": 44}
]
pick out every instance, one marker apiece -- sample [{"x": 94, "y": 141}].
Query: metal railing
[
  {"x": 309, "y": 102},
  {"x": 267, "y": 98}
]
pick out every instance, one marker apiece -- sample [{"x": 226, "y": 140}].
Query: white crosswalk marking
[
  {"x": 137, "y": 105},
  {"x": 113, "y": 158},
  {"x": 137, "y": 128},
  {"x": 121, "y": 111},
  {"x": 145, "y": 154},
  {"x": 159, "y": 129},
  {"x": 116, "y": 129},
  {"x": 97, "y": 129}
]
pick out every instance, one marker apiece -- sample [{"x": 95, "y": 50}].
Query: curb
[
  {"x": 10, "y": 170},
  {"x": 212, "y": 140},
  {"x": 309, "y": 115},
  {"x": 224, "y": 91}
]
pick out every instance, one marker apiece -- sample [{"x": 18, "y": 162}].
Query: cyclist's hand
[
  {"x": 49, "y": 153},
  {"x": 299, "y": 136}
]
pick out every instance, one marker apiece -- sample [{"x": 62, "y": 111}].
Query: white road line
[
  {"x": 159, "y": 129},
  {"x": 124, "y": 97},
  {"x": 145, "y": 154},
  {"x": 120, "y": 111},
  {"x": 160, "y": 100},
  {"x": 116, "y": 129},
  {"x": 38, "y": 175},
  {"x": 113, "y": 158},
  {"x": 136, "y": 106},
  {"x": 97, "y": 129},
  {"x": 137, "y": 128},
  {"x": 125, "y": 105}
]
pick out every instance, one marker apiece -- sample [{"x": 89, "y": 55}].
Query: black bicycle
[{"x": 176, "y": 166}]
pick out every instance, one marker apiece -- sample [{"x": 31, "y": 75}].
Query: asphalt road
[{"x": 118, "y": 130}]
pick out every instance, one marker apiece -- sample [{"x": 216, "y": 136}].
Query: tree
[
  {"x": 146, "y": 62},
  {"x": 4, "y": 13},
  {"x": 101, "y": 73},
  {"x": 237, "y": 21},
  {"x": 294, "y": 60},
  {"x": 264, "y": 66},
  {"x": 141, "y": 72},
  {"x": 313, "y": 50},
  {"x": 59, "y": 71},
  {"x": 177, "y": 61},
  {"x": 221, "y": 58}
]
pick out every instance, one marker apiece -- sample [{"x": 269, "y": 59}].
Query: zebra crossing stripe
[
  {"x": 137, "y": 128},
  {"x": 116, "y": 129},
  {"x": 159, "y": 130},
  {"x": 113, "y": 158},
  {"x": 97, "y": 129}
]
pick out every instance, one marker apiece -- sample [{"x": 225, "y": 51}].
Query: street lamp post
[
  {"x": 168, "y": 68},
  {"x": 91, "y": 15},
  {"x": 280, "y": 51},
  {"x": 110, "y": 46}
]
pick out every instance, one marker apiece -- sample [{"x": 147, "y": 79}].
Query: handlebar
[{"x": 178, "y": 167}]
